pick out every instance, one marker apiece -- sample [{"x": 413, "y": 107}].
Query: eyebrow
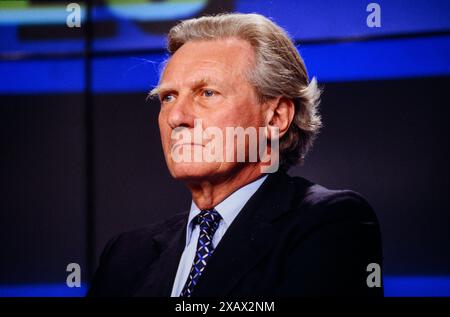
[{"x": 196, "y": 84}]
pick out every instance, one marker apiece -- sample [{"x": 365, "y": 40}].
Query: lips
[{"x": 186, "y": 144}]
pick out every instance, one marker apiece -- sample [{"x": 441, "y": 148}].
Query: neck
[{"x": 209, "y": 193}]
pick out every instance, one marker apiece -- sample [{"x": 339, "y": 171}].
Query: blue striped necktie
[{"x": 209, "y": 222}]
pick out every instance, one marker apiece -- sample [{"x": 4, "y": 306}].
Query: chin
[{"x": 194, "y": 171}]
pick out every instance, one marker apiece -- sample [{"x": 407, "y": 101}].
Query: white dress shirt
[{"x": 228, "y": 210}]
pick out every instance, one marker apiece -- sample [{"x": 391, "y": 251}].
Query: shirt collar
[{"x": 229, "y": 208}]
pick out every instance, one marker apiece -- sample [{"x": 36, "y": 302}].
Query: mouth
[{"x": 186, "y": 144}]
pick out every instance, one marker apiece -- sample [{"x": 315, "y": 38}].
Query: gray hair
[{"x": 279, "y": 70}]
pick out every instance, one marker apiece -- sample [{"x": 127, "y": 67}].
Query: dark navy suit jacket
[{"x": 292, "y": 238}]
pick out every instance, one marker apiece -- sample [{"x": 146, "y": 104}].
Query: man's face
[{"x": 206, "y": 80}]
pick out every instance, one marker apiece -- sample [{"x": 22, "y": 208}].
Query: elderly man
[{"x": 252, "y": 229}]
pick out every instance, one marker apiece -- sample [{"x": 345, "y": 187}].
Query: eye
[
  {"x": 167, "y": 98},
  {"x": 208, "y": 92}
]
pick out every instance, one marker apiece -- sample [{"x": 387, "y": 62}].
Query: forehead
[{"x": 220, "y": 59}]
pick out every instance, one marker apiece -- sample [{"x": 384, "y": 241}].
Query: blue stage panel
[
  {"x": 381, "y": 59},
  {"x": 417, "y": 286},
  {"x": 347, "y": 61},
  {"x": 41, "y": 76}
]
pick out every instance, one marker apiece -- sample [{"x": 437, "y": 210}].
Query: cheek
[
  {"x": 245, "y": 115},
  {"x": 234, "y": 113},
  {"x": 162, "y": 122},
  {"x": 160, "y": 118},
  {"x": 164, "y": 129}
]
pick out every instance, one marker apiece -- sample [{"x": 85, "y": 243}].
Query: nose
[{"x": 179, "y": 114}]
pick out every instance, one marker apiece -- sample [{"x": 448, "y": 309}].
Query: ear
[{"x": 282, "y": 114}]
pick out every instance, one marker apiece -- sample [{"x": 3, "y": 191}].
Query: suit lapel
[
  {"x": 158, "y": 278},
  {"x": 248, "y": 239}
]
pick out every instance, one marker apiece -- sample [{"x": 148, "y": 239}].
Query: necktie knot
[{"x": 209, "y": 220}]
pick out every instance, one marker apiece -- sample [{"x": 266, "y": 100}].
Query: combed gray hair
[{"x": 279, "y": 70}]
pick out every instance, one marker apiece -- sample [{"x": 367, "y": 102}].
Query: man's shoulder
[
  {"x": 171, "y": 223},
  {"x": 128, "y": 253},
  {"x": 145, "y": 234},
  {"x": 318, "y": 202},
  {"x": 140, "y": 245}
]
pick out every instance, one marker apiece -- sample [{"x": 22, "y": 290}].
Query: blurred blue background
[{"x": 81, "y": 156}]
